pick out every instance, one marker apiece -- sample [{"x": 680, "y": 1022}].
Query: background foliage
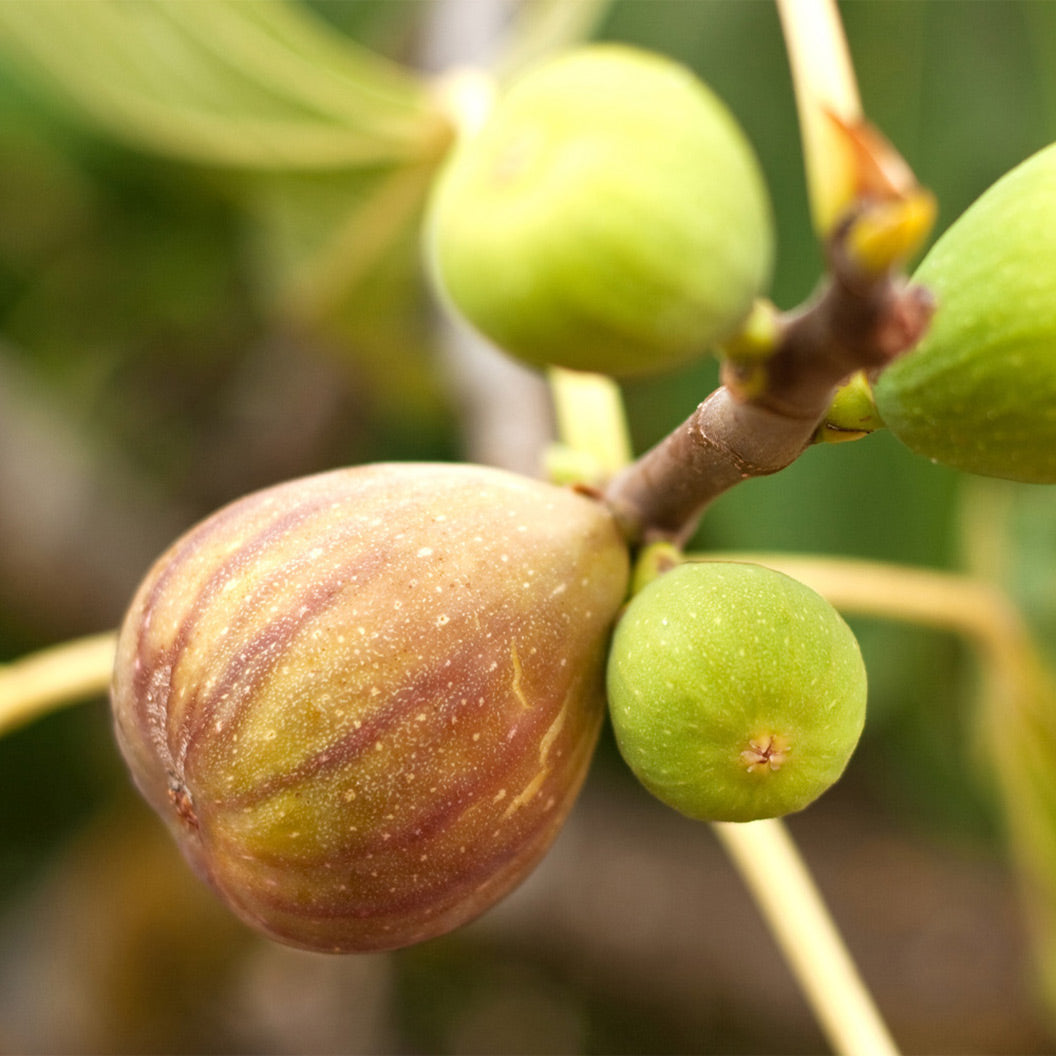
[{"x": 179, "y": 327}]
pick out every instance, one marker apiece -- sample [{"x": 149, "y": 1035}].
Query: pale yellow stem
[
  {"x": 34, "y": 685},
  {"x": 778, "y": 879},
  {"x": 825, "y": 87},
  {"x": 591, "y": 418}
]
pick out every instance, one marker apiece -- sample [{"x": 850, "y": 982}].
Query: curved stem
[
  {"x": 871, "y": 214},
  {"x": 34, "y": 685},
  {"x": 780, "y": 883}
]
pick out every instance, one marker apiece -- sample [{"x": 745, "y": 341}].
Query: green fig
[
  {"x": 735, "y": 692},
  {"x": 609, "y": 216},
  {"x": 979, "y": 391},
  {"x": 364, "y": 701}
]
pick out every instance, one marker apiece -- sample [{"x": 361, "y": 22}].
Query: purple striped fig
[{"x": 364, "y": 701}]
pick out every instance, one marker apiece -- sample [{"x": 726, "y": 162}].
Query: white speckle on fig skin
[{"x": 331, "y": 725}]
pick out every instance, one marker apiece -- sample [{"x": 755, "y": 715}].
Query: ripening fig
[
  {"x": 979, "y": 391},
  {"x": 364, "y": 701},
  {"x": 609, "y": 216},
  {"x": 735, "y": 692}
]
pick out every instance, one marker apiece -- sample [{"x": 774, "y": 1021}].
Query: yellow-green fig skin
[
  {"x": 364, "y": 701},
  {"x": 979, "y": 391},
  {"x": 735, "y": 692},
  {"x": 610, "y": 216}
]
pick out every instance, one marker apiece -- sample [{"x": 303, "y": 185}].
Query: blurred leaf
[
  {"x": 176, "y": 265},
  {"x": 322, "y": 233},
  {"x": 256, "y": 83}
]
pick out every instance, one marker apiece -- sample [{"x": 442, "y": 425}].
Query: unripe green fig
[
  {"x": 735, "y": 691},
  {"x": 609, "y": 216},
  {"x": 364, "y": 701},
  {"x": 979, "y": 391}
]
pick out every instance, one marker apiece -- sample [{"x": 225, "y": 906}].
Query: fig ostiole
[
  {"x": 364, "y": 701},
  {"x": 609, "y": 215},
  {"x": 978, "y": 393},
  {"x": 735, "y": 692}
]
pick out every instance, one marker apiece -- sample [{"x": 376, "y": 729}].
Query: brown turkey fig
[{"x": 364, "y": 701}]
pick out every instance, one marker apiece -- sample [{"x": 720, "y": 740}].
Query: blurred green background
[{"x": 177, "y": 329}]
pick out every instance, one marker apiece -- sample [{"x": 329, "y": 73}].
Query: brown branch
[{"x": 748, "y": 429}]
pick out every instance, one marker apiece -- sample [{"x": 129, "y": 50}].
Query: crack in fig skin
[{"x": 365, "y": 701}]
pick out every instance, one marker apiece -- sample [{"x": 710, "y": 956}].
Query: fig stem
[
  {"x": 44, "y": 681},
  {"x": 591, "y": 418},
  {"x": 757, "y": 425},
  {"x": 773, "y": 870}
]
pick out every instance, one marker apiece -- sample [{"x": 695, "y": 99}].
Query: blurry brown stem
[{"x": 756, "y": 424}]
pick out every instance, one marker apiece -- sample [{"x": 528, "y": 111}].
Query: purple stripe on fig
[
  {"x": 363, "y": 739},
  {"x": 176, "y": 562},
  {"x": 365, "y": 701},
  {"x": 470, "y": 861},
  {"x": 489, "y": 780},
  {"x": 485, "y": 877},
  {"x": 493, "y": 873},
  {"x": 177, "y": 736}
]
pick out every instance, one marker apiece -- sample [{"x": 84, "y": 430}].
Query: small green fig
[
  {"x": 979, "y": 391},
  {"x": 364, "y": 701},
  {"x": 735, "y": 692},
  {"x": 609, "y": 216}
]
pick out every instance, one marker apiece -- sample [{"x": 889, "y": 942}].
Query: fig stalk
[{"x": 807, "y": 935}]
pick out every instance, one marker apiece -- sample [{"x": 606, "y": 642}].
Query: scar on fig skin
[
  {"x": 769, "y": 752},
  {"x": 182, "y": 803}
]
